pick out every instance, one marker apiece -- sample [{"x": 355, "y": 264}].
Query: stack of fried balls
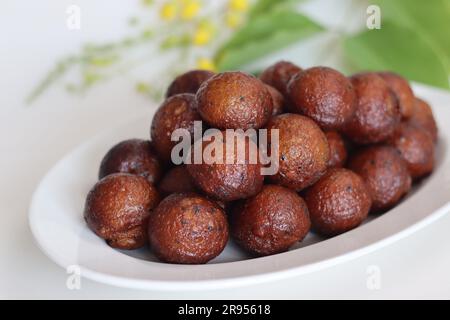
[{"x": 348, "y": 147}]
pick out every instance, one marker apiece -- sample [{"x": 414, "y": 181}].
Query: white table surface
[{"x": 33, "y": 138}]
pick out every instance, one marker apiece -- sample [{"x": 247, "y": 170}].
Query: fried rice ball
[
  {"x": 225, "y": 177},
  {"x": 385, "y": 174},
  {"x": 134, "y": 156},
  {"x": 176, "y": 180},
  {"x": 188, "y": 82},
  {"x": 377, "y": 113},
  {"x": 270, "y": 222},
  {"x": 416, "y": 147},
  {"x": 303, "y": 151},
  {"x": 323, "y": 94},
  {"x": 402, "y": 91},
  {"x": 338, "y": 150},
  {"x": 177, "y": 112},
  {"x": 279, "y": 74},
  {"x": 422, "y": 116},
  {"x": 117, "y": 209},
  {"x": 338, "y": 202},
  {"x": 277, "y": 99},
  {"x": 186, "y": 228},
  {"x": 234, "y": 100}
]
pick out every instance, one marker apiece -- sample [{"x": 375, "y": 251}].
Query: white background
[{"x": 32, "y": 138}]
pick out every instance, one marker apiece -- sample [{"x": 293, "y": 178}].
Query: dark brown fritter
[
  {"x": 338, "y": 202},
  {"x": 117, "y": 209},
  {"x": 323, "y": 94},
  {"x": 188, "y": 82},
  {"x": 176, "y": 180},
  {"x": 187, "y": 228},
  {"x": 234, "y": 100},
  {"x": 385, "y": 174},
  {"x": 377, "y": 112},
  {"x": 416, "y": 147},
  {"x": 338, "y": 150},
  {"x": 228, "y": 180},
  {"x": 277, "y": 99},
  {"x": 422, "y": 116},
  {"x": 279, "y": 74},
  {"x": 402, "y": 91},
  {"x": 134, "y": 156},
  {"x": 270, "y": 222},
  {"x": 303, "y": 151},
  {"x": 178, "y": 111}
]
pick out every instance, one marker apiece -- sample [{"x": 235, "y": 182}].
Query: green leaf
[
  {"x": 264, "y": 6},
  {"x": 430, "y": 19},
  {"x": 263, "y": 35},
  {"x": 400, "y": 49}
]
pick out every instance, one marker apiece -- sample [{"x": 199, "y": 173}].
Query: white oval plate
[{"x": 57, "y": 224}]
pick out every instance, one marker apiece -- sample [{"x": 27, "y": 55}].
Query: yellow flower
[
  {"x": 206, "y": 64},
  {"x": 202, "y": 35},
  {"x": 168, "y": 11},
  {"x": 238, "y": 5},
  {"x": 233, "y": 20},
  {"x": 190, "y": 9}
]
